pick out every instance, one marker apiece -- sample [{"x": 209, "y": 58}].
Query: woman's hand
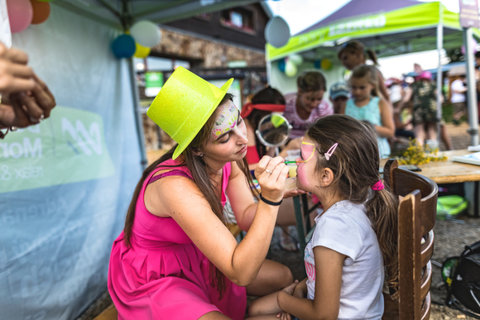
[
  {"x": 293, "y": 193},
  {"x": 271, "y": 174}
]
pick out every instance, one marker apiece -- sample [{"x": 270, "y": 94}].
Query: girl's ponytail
[
  {"x": 372, "y": 56},
  {"x": 382, "y": 212}
]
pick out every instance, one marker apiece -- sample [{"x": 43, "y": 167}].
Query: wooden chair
[{"x": 416, "y": 218}]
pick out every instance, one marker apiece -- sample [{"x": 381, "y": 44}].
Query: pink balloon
[{"x": 20, "y": 13}]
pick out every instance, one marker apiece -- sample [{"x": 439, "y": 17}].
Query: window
[{"x": 238, "y": 18}]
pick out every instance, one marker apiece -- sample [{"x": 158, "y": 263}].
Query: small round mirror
[{"x": 273, "y": 130}]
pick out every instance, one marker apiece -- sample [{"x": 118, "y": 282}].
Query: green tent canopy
[{"x": 405, "y": 30}]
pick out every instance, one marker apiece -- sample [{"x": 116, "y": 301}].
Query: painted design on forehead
[{"x": 226, "y": 120}]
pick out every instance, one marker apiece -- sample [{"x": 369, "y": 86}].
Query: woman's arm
[
  {"x": 387, "y": 129},
  {"x": 181, "y": 199},
  {"x": 328, "y": 283},
  {"x": 241, "y": 198}
]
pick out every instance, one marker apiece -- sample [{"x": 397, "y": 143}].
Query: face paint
[
  {"x": 307, "y": 150},
  {"x": 226, "y": 121}
]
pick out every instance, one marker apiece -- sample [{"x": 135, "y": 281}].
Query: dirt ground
[{"x": 450, "y": 238}]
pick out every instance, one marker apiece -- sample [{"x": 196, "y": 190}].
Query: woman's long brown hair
[
  {"x": 355, "y": 163},
  {"x": 199, "y": 171}
]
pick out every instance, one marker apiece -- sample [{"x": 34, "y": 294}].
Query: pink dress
[{"x": 163, "y": 275}]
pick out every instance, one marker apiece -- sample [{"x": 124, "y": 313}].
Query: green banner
[
  {"x": 153, "y": 80},
  {"x": 419, "y": 16},
  {"x": 67, "y": 147}
]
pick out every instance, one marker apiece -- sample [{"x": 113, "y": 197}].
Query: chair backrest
[{"x": 416, "y": 218}]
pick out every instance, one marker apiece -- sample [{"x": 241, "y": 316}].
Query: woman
[{"x": 175, "y": 258}]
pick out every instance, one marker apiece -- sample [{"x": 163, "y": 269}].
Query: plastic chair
[{"x": 416, "y": 219}]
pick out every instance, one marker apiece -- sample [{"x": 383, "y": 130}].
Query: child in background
[
  {"x": 339, "y": 94},
  {"x": 263, "y": 103},
  {"x": 354, "y": 245},
  {"x": 353, "y": 54},
  {"x": 372, "y": 108},
  {"x": 305, "y": 106}
]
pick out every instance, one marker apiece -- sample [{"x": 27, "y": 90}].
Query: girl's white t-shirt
[{"x": 345, "y": 228}]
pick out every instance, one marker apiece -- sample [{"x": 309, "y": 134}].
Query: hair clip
[{"x": 330, "y": 151}]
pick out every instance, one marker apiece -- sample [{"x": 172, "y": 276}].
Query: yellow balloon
[
  {"x": 290, "y": 69},
  {"x": 141, "y": 51},
  {"x": 326, "y": 64}
]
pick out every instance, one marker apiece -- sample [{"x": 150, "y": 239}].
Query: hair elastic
[
  {"x": 378, "y": 186},
  {"x": 272, "y": 203}
]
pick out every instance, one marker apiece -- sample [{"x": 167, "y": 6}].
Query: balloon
[
  {"x": 123, "y": 46},
  {"x": 146, "y": 33},
  {"x": 290, "y": 69},
  {"x": 277, "y": 32},
  {"x": 141, "y": 51},
  {"x": 326, "y": 64},
  {"x": 296, "y": 59},
  {"x": 20, "y": 13},
  {"x": 281, "y": 65},
  {"x": 317, "y": 64},
  {"x": 41, "y": 11}
]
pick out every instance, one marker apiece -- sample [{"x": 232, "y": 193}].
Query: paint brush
[{"x": 289, "y": 161}]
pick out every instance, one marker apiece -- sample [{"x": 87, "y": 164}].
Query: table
[{"x": 445, "y": 172}]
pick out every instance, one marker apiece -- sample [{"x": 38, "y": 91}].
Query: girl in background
[
  {"x": 354, "y": 245},
  {"x": 307, "y": 104},
  {"x": 353, "y": 54},
  {"x": 366, "y": 105},
  {"x": 263, "y": 103}
]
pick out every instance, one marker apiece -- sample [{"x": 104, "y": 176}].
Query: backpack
[{"x": 461, "y": 275}]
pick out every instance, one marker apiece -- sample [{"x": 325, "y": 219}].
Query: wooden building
[{"x": 217, "y": 46}]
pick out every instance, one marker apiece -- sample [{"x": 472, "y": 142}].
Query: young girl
[
  {"x": 175, "y": 258},
  {"x": 307, "y": 104},
  {"x": 372, "y": 108},
  {"x": 353, "y": 54},
  {"x": 353, "y": 246}
]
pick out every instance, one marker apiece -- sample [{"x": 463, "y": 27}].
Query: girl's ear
[{"x": 326, "y": 177}]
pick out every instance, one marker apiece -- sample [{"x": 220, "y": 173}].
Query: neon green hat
[{"x": 183, "y": 106}]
